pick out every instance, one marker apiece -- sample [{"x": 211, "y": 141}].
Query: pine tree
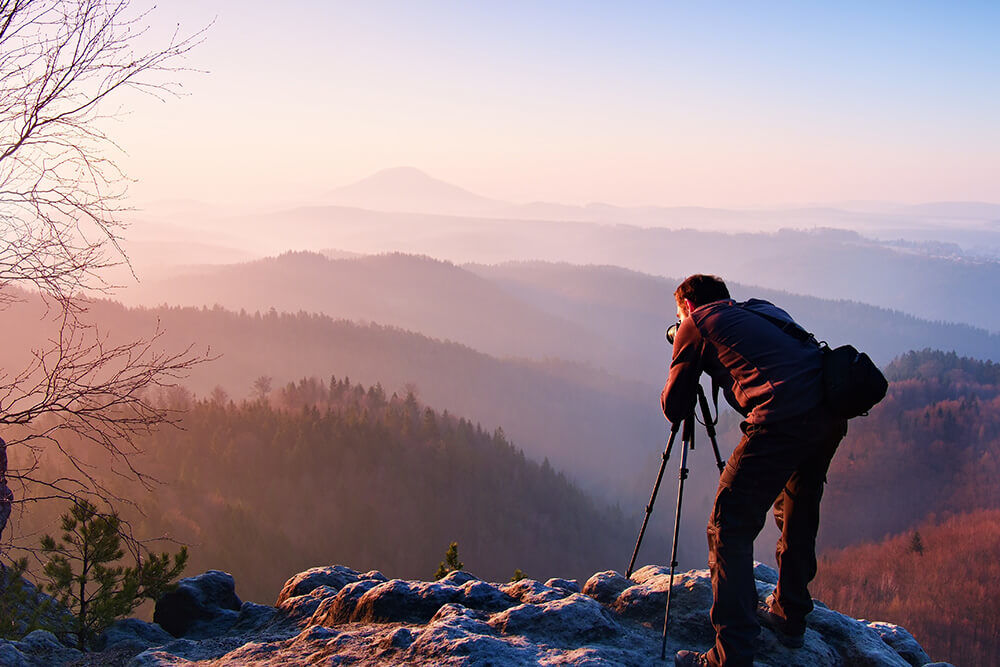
[
  {"x": 82, "y": 574},
  {"x": 450, "y": 562},
  {"x": 21, "y": 611},
  {"x": 917, "y": 544},
  {"x": 518, "y": 575}
]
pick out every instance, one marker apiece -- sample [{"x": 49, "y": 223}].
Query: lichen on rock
[{"x": 338, "y": 615}]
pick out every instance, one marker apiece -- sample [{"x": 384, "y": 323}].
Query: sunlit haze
[{"x": 633, "y": 103}]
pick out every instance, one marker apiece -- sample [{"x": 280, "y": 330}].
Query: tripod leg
[
  {"x": 682, "y": 475},
  {"x": 652, "y": 499},
  {"x": 706, "y": 417}
]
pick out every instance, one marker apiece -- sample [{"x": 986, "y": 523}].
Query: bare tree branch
[{"x": 61, "y": 194}]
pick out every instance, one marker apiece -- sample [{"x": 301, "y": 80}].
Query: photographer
[{"x": 789, "y": 437}]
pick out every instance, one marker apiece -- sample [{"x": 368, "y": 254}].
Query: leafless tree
[
  {"x": 62, "y": 62},
  {"x": 262, "y": 387}
]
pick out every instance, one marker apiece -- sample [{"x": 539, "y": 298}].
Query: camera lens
[{"x": 672, "y": 332}]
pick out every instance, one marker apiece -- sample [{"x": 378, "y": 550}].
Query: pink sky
[{"x": 631, "y": 104}]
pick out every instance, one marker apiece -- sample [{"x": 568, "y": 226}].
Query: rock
[
  {"x": 902, "y": 642},
  {"x": 304, "y": 594},
  {"x": 646, "y": 601},
  {"x": 462, "y": 635},
  {"x": 183, "y": 651},
  {"x": 765, "y": 573},
  {"x": 340, "y": 608},
  {"x": 39, "y": 648},
  {"x": 530, "y": 591},
  {"x": 462, "y": 620},
  {"x": 483, "y": 596},
  {"x": 135, "y": 633},
  {"x": 34, "y": 606},
  {"x": 253, "y": 617},
  {"x": 10, "y": 656},
  {"x": 606, "y": 586},
  {"x": 200, "y": 607},
  {"x": 848, "y": 639},
  {"x": 400, "y": 638},
  {"x": 577, "y": 620},
  {"x": 457, "y": 578},
  {"x": 571, "y": 585},
  {"x": 403, "y": 601},
  {"x": 335, "y": 576}
]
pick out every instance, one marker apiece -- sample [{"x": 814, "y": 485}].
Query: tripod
[{"x": 687, "y": 442}]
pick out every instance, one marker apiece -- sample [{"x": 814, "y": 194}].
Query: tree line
[
  {"x": 915, "y": 485},
  {"x": 321, "y": 472}
]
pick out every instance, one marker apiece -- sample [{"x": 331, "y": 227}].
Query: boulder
[
  {"x": 606, "y": 586},
  {"x": 200, "y": 607},
  {"x": 571, "y": 585},
  {"x": 133, "y": 633},
  {"x": 403, "y": 601},
  {"x": 334, "y": 576},
  {"x": 902, "y": 642},
  {"x": 575, "y": 620},
  {"x": 530, "y": 591},
  {"x": 252, "y": 618},
  {"x": 340, "y": 608},
  {"x": 457, "y": 578},
  {"x": 461, "y": 620},
  {"x": 37, "y": 649},
  {"x": 32, "y": 606}
]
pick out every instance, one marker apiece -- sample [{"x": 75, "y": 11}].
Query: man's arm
[{"x": 678, "y": 396}]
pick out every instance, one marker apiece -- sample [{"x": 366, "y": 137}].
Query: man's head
[{"x": 697, "y": 290}]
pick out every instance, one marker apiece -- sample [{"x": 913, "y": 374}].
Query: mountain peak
[{"x": 412, "y": 190}]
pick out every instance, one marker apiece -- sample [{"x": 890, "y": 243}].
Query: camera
[{"x": 672, "y": 332}]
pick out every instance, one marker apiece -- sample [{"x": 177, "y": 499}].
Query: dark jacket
[{"x": 765, "y": 374}]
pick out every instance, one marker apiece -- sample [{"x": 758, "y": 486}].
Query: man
[{"x": 774, "y": 379}]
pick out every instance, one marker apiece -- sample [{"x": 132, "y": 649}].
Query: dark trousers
[{"x": 784, "y": 465}]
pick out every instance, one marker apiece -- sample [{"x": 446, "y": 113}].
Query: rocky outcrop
[
  {"x": 199, "y": 607},
  {"x": 31, "y": 609},
  {"x": 338, "y": 615}
]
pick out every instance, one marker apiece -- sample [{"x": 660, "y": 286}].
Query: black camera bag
[{"x": 852, "y": 383}]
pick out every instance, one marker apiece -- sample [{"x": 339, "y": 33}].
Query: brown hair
[{"x": 700, "y": 289}]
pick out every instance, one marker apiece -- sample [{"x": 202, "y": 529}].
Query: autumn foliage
[
  {"x": 916, "y": 483},
  {"x": 944, "y": 592}
]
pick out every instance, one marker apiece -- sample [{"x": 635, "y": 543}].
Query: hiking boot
[
  {"x": 790, "y": 635},
  {"x": 690, "y": 659}
]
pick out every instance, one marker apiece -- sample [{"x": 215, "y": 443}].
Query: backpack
[{"x": 852, "y": 383}]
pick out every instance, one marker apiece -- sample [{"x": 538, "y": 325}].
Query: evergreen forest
[{"x": 319, "y": 472}]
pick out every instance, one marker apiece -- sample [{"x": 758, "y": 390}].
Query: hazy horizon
[{"x": 639, "y": 104}]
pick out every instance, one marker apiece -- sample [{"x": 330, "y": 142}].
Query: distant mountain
[
  {"x": 826, "y": 263},
  {"x": 435, "y": 298},
  {"x": 409, "y": 189},
  {"x": 958, "y": 210},
  {"x": 601, "y": 316},
  {"x": 930, "y": 447},
  {"x": 596, "y": 427},
  {"x": 631, "y": 309}
]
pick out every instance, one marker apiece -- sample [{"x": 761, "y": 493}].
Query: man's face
[{"x": 683, "y": 310}]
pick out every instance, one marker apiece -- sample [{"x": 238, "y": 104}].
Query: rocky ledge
[{"x": 336, "y": 615}]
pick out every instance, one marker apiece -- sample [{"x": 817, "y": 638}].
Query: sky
[{"x": 728, "y": 104}]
